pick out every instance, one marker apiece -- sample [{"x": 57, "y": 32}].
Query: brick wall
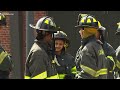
[{"x": 5, "y": 40}]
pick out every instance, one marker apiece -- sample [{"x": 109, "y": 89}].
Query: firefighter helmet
[
  {"x": 62, "y": 36},
  {"x": 87, "y": 21},
  {"x": 118, "y": 29},
  {"x": 2, "y": 20},
  {"x": 101, "y": 27},
  {"x": 45, "y": 23}
]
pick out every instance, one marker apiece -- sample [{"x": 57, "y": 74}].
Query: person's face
[
  {"x": 97, "y": 35},
  {"x": 81, "y": 32},
  {"x": 48, "y": 37},
  {"x": 59, "y": 44}
]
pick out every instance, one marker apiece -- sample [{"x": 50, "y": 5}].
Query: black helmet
[
  {"x": 62, "y": 36},
  {"x": 45, "y": 23},
  {"x": 87, "y": 21},
  {"x": 2, "y": 20},
  {"x": 118, "y": 29},
  {"x": 101, "y": 27}
]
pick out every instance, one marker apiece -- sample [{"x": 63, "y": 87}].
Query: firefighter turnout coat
[
  {"x": 111, "y": 59},
  {"x": 90, "y": 60},
  {"x": 6, "y": 64},
  {"x": 39, "y": 64},
  {"x": 118, "y": 59},
  {"x": 65, "y": 66}
]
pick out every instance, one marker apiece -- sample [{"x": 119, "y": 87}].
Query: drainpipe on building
[{"x": 29, "y": 31}]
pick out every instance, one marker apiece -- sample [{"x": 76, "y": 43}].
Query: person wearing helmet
[
  {"x": 118, "y": 52},
  {"x": 90, "y": 58},
  {"x": 109, "y": 51},
  {"x": 65, "y": 64},
  {"x": 40, "y": 62},
  {"x": 6, "y": 64}
]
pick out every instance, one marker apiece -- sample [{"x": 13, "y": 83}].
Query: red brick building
[{"x": 5, "y": 39}]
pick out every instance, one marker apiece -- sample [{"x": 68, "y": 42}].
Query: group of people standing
[
  {"x": 48, "y": 57},
  {"x": 95, "y": 58}
]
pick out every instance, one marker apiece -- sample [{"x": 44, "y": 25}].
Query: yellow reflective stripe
[
  {"x": 40, "y": 76},
  {"x": 61, "y": 76},
  {"x": 100, "y": 52},
  {"x": 89, "y": 70},
  {"x": 2, "y": 56},
  {"x": 102, "y": 71},
  {"x": 53, "y": 77},
  {"x": 88, "y": 21},
  {"x": 118, "y": 64},
  {"x": 99, "y": 24},
  {"x": 93, "y": 72},
  {"x": 82, "y": 21},
  {"x": 73, "y": 70},
  {"x": 111, "y": 58},
  {"x": 46, "y": 21},
  {"x": 94, "y": 20},
  {"x": 0, "y": 17},
  {"x": 26, "y": 77}
]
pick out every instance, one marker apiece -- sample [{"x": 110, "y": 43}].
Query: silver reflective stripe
[
  {"x": 2, "y": 56},
  {"x": 56, "y": 61}
]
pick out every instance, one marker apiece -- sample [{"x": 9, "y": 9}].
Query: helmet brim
[
  {"x": 117, "y": 33},
  {"x": 85, "y": 26},
  {"x": 102, "y": 28},
  {"x": 51, "y": 30}
]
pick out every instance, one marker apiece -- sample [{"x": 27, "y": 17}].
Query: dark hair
[{"x": 42, "y": 34}]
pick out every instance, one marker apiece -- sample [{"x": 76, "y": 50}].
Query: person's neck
[{"x": 58, "y": 52}]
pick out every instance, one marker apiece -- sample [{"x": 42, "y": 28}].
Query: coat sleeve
[
  {"x": 110, "y": 56},
  {"x": 72, "y": 68},
  {"x": 35, "y": 66},
  {"x": 5, "y": 61},
  {"x": 118, "y": 59}
]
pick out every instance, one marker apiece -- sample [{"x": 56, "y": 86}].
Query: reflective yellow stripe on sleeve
[
  {"x": 26, "y": 77},
  {"x": 89, "y": 70},
  {"x": 61, "y": 76},
  {"x": 40, "y": 76},
  {"x": 118, "y": 64},
  {"x": 73, "y": 70},
  {"x": 93, "y": 72},
  {"x": 102, "y": 71},
  {"x": 111, "y": 58},
  {"x": 2, "y": 56},
  {"x": 53, "y": 77}
]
